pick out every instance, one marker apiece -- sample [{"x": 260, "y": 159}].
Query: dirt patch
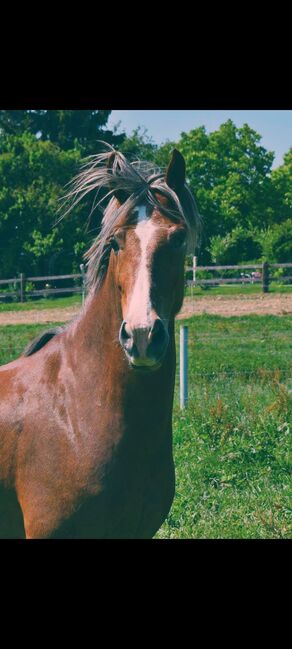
[
  {"x": 39, "y": 317},
  {"x": 274, "y": 304}
]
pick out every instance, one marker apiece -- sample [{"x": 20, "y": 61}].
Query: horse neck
[
  {"x": 100, "y": 360},
  {"x": 96, "y": 331}
]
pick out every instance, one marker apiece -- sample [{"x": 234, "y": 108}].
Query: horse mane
[
  {"x": 42, "y": 340},
  {"x": 136, "y": 181}
]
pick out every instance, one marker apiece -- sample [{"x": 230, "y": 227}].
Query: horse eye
[{"x": 115, "y": 245}]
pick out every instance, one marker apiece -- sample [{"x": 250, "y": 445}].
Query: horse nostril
[
  {"x": 158, "y": 339},
  {"x": 125, "y": 333},
  {"x": 157, "y": 334}
]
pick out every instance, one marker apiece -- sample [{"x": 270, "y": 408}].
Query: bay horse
[{"x": 86, "y": 410}]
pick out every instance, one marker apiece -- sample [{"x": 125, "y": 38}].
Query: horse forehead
[
  {"x": 150, "y": 226},
  {"x": 145, "y": 227}
]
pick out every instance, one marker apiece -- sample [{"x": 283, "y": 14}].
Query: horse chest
[{"x": 133, "y": 503}]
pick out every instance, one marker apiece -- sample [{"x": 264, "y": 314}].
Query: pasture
[
  {"x": 236, "y": 289},
  {"x": 232, "y": 445}
]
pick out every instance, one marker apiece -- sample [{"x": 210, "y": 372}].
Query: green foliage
[
  {"x": 40, "y": 152},
  {"x": 237, "y": 245},
  {"x": 33, "y": 175},
  {"x": 15, "y": 122},
  {"x": 236, "y": 192},
  {"x": 229, "y": 173},
  {"x": 139, "y": 146},
  {"x": 69, "y": 129},
  {"x": 276, "y": 242},
  {"x": 282, "y": 183},
  {"x": 246, "y": 207}
]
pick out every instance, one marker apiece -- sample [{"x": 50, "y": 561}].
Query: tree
[
  {"x": 246, "y": 208},
  {"x": 276, "y": 242},
  {"x": 15, "y": 122},
  {"x": 229, "y": 174},
  {"x": 33, "y": 175},
  {"x": 139, "y": 145},
  {"x": 236, "y": 246},
  {"x": 236, "y": 192},
  {"x": 282, "y": 183},
  {"x": 66, "y": 128}
]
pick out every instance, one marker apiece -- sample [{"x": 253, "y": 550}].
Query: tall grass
[{"x": 232, "y": 444}]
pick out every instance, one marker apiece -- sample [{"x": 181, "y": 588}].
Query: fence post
[
  {"x": 194, "y": 268},
  {"x": 266, "y": 278},
  {"x": 183, "y": 366},
  {"x": 83, "y": 282},
  {"x": 22, "y": 287}
]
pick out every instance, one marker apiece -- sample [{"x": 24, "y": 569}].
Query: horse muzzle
[{"x": 144, "y": 346}]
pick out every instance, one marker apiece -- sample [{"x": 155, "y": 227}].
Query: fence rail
[
  {"x": 223, "y": 280},
  {"x": 262, "y": 275},
  {"x": 13, "y": 280},
  {"x": 239, "y": 266},
  {"x": 54, "y": 291},
  {"x": 20, "y": 290},
  {"x": 10, "y": 294},
  {"x": 51, "y": 277},
  {"x": 230, "y": 267}
]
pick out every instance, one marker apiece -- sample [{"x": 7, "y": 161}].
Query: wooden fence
[
  {"x": 262, "y": 273},
  {"x": 20, "y": 284}
]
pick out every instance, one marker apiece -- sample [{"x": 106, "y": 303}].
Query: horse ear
[
  {"x": 119, "y": 193},
  {"x": 176, "y": 172}
]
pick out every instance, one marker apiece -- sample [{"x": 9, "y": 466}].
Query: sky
[{"x": 275, "y": 126}]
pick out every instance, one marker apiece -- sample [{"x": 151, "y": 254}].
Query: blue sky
[{"x": 275, "y": 126}]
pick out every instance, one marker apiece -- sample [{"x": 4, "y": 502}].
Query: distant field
[
  {"x": 237, "y": 289},
  {"x": 48, "y": 303},
  {"x": 232, "y": 444}
]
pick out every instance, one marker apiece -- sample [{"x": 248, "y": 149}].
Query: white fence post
[
  {"x": 183, "y": 366},
  {"x": 194, "y": 268}
]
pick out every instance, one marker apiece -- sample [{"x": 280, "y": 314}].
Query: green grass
[
  {"x": 237, "y": 289},
  {"x": 43, "y": 303},
  {"x": 14, "y": 338},
  {"x": 232, "y": 444}
]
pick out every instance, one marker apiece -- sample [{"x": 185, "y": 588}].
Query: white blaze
[{"x": 140, "y": 304}]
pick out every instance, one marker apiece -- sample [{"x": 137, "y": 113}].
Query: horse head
[{"x": 149, "y": 224}]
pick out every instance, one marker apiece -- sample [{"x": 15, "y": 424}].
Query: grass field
[
  {"x": 232, "y": 444},
  {"x": 43, "y": 303},
  {"x": 233, "y": 441},
  {"x": 14, "y": 338}
]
